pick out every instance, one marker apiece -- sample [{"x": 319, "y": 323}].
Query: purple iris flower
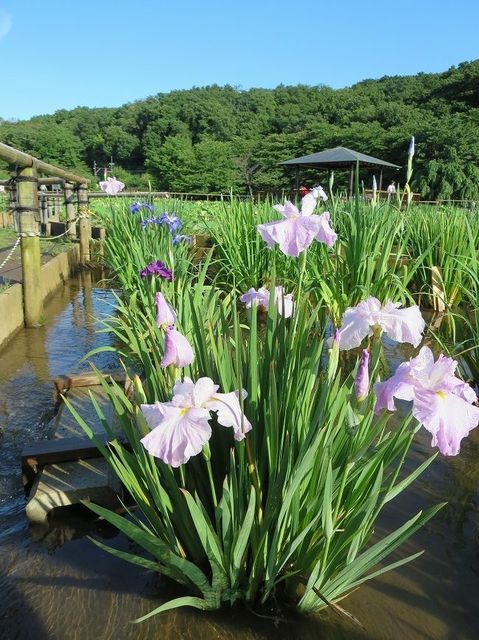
[
  {"x": 179, "y": 238},
  {"x": 156, "y": 268},
  {"x": 138, "y": 206},
  {"x": 172, "y": 222},
  {"x": 148, "y": 221}
]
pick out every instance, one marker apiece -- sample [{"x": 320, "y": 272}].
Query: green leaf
[
  {"x": 239, "y": 549},
  {"x": 185, "y": 601}
]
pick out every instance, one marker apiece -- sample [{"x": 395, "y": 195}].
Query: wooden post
[
  {"x": 381, "y": 180},
  {"x": 85, "y": 225},
  {"x": 44, "y": 214},
  {"x": 27, "y": 208},
  {"x": 57, "y": 208},
  {"x": 101, "y": 244},
  {"x": 351, "y": 179},
  {"x": 12, "y": 207},
  {"x": 49, "y": 209},
  {"x": 70, "y": 211}
]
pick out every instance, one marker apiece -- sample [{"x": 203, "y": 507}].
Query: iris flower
[
  {"x": 297, "y": 231},
  {"x": 441, "y": 402},
  {"x": 165, "y": 315},
  {"x": 156, "y": 268},
  {"x": 401, "y": 325},
  {"x": 180, "y": 428},
  {"x": 319, "y": 192},
  {"x": 138, "y": 206},
  {"x": 283, "y": 302},
  {"x": 111, "y": 186},
  {"x": 147, "y": 221},
  {"x": 179, "y": 238},
  {"x": 178, "y": 351},
  {"x": 171, "y": 221}
]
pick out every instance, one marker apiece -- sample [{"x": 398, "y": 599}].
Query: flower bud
[
  {"x": 165, "y": 316},
  {"x": 178, "y": 351},
  {"x": 361, "y": 384}
]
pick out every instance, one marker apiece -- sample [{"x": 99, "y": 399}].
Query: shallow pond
[{"x": 55, "y": 584}]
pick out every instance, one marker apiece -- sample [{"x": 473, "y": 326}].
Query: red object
[{"x": 303, "y": 191}]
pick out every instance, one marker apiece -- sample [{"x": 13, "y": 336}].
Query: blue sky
[{"x": 60, "y": 54}]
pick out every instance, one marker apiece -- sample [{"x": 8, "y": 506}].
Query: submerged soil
[{"x": 55, "y": 584}]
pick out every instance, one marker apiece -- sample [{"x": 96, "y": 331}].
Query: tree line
[{"x": 216, "y": 138}]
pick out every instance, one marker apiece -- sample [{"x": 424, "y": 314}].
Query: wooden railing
[{"x": 23, "y": 188}]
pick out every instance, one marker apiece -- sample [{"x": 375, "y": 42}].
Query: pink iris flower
[
  {"x": 165, "y": 316},
  {"x": 180, "y": 428},
  {"x": 442, "y": 403},
  {"x": 297, "y": 231},
  {"x": 283, "y": 302},
  {"x": 112, "y": 186},
  {"x": 178, "y": 351},
  {"x": 401, "y": 325}
]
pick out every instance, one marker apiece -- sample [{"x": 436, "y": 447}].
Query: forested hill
[{"x": 216, "y": 138}]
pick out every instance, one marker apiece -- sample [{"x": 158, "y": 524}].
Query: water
[{"x": 56, "y": 585}]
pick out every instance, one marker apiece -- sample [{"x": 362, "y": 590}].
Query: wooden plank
[
  {"x": 42, "y": 452},
  {"x": 67, "y": 442},
  {"x": 66, "y": 382},
  {"x": 69, "y": 483}
]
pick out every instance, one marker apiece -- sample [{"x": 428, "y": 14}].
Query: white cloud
[{"x": 5, "y": 24}]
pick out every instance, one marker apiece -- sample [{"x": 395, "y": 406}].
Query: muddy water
[{"x": 55, "y": 585}]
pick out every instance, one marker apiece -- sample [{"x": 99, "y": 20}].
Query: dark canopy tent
[{"x": 339, "y": 158}]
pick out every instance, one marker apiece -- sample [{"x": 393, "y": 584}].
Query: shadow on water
[{"x": 55, "y": 584}]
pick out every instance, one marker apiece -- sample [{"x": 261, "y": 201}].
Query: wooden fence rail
[{"x": 24, "y": 200}]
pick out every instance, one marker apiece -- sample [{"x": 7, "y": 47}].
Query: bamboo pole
[
  {"x": 85, "y": 226},
  {"x": 27, "y": 207},
  {"x": 70, "y": 210}
]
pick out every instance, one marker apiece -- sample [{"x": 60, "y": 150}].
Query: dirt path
[{"x": 11, "y": 273}]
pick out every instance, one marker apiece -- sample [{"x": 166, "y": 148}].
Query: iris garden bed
[{"x": 262, "y": 445}]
